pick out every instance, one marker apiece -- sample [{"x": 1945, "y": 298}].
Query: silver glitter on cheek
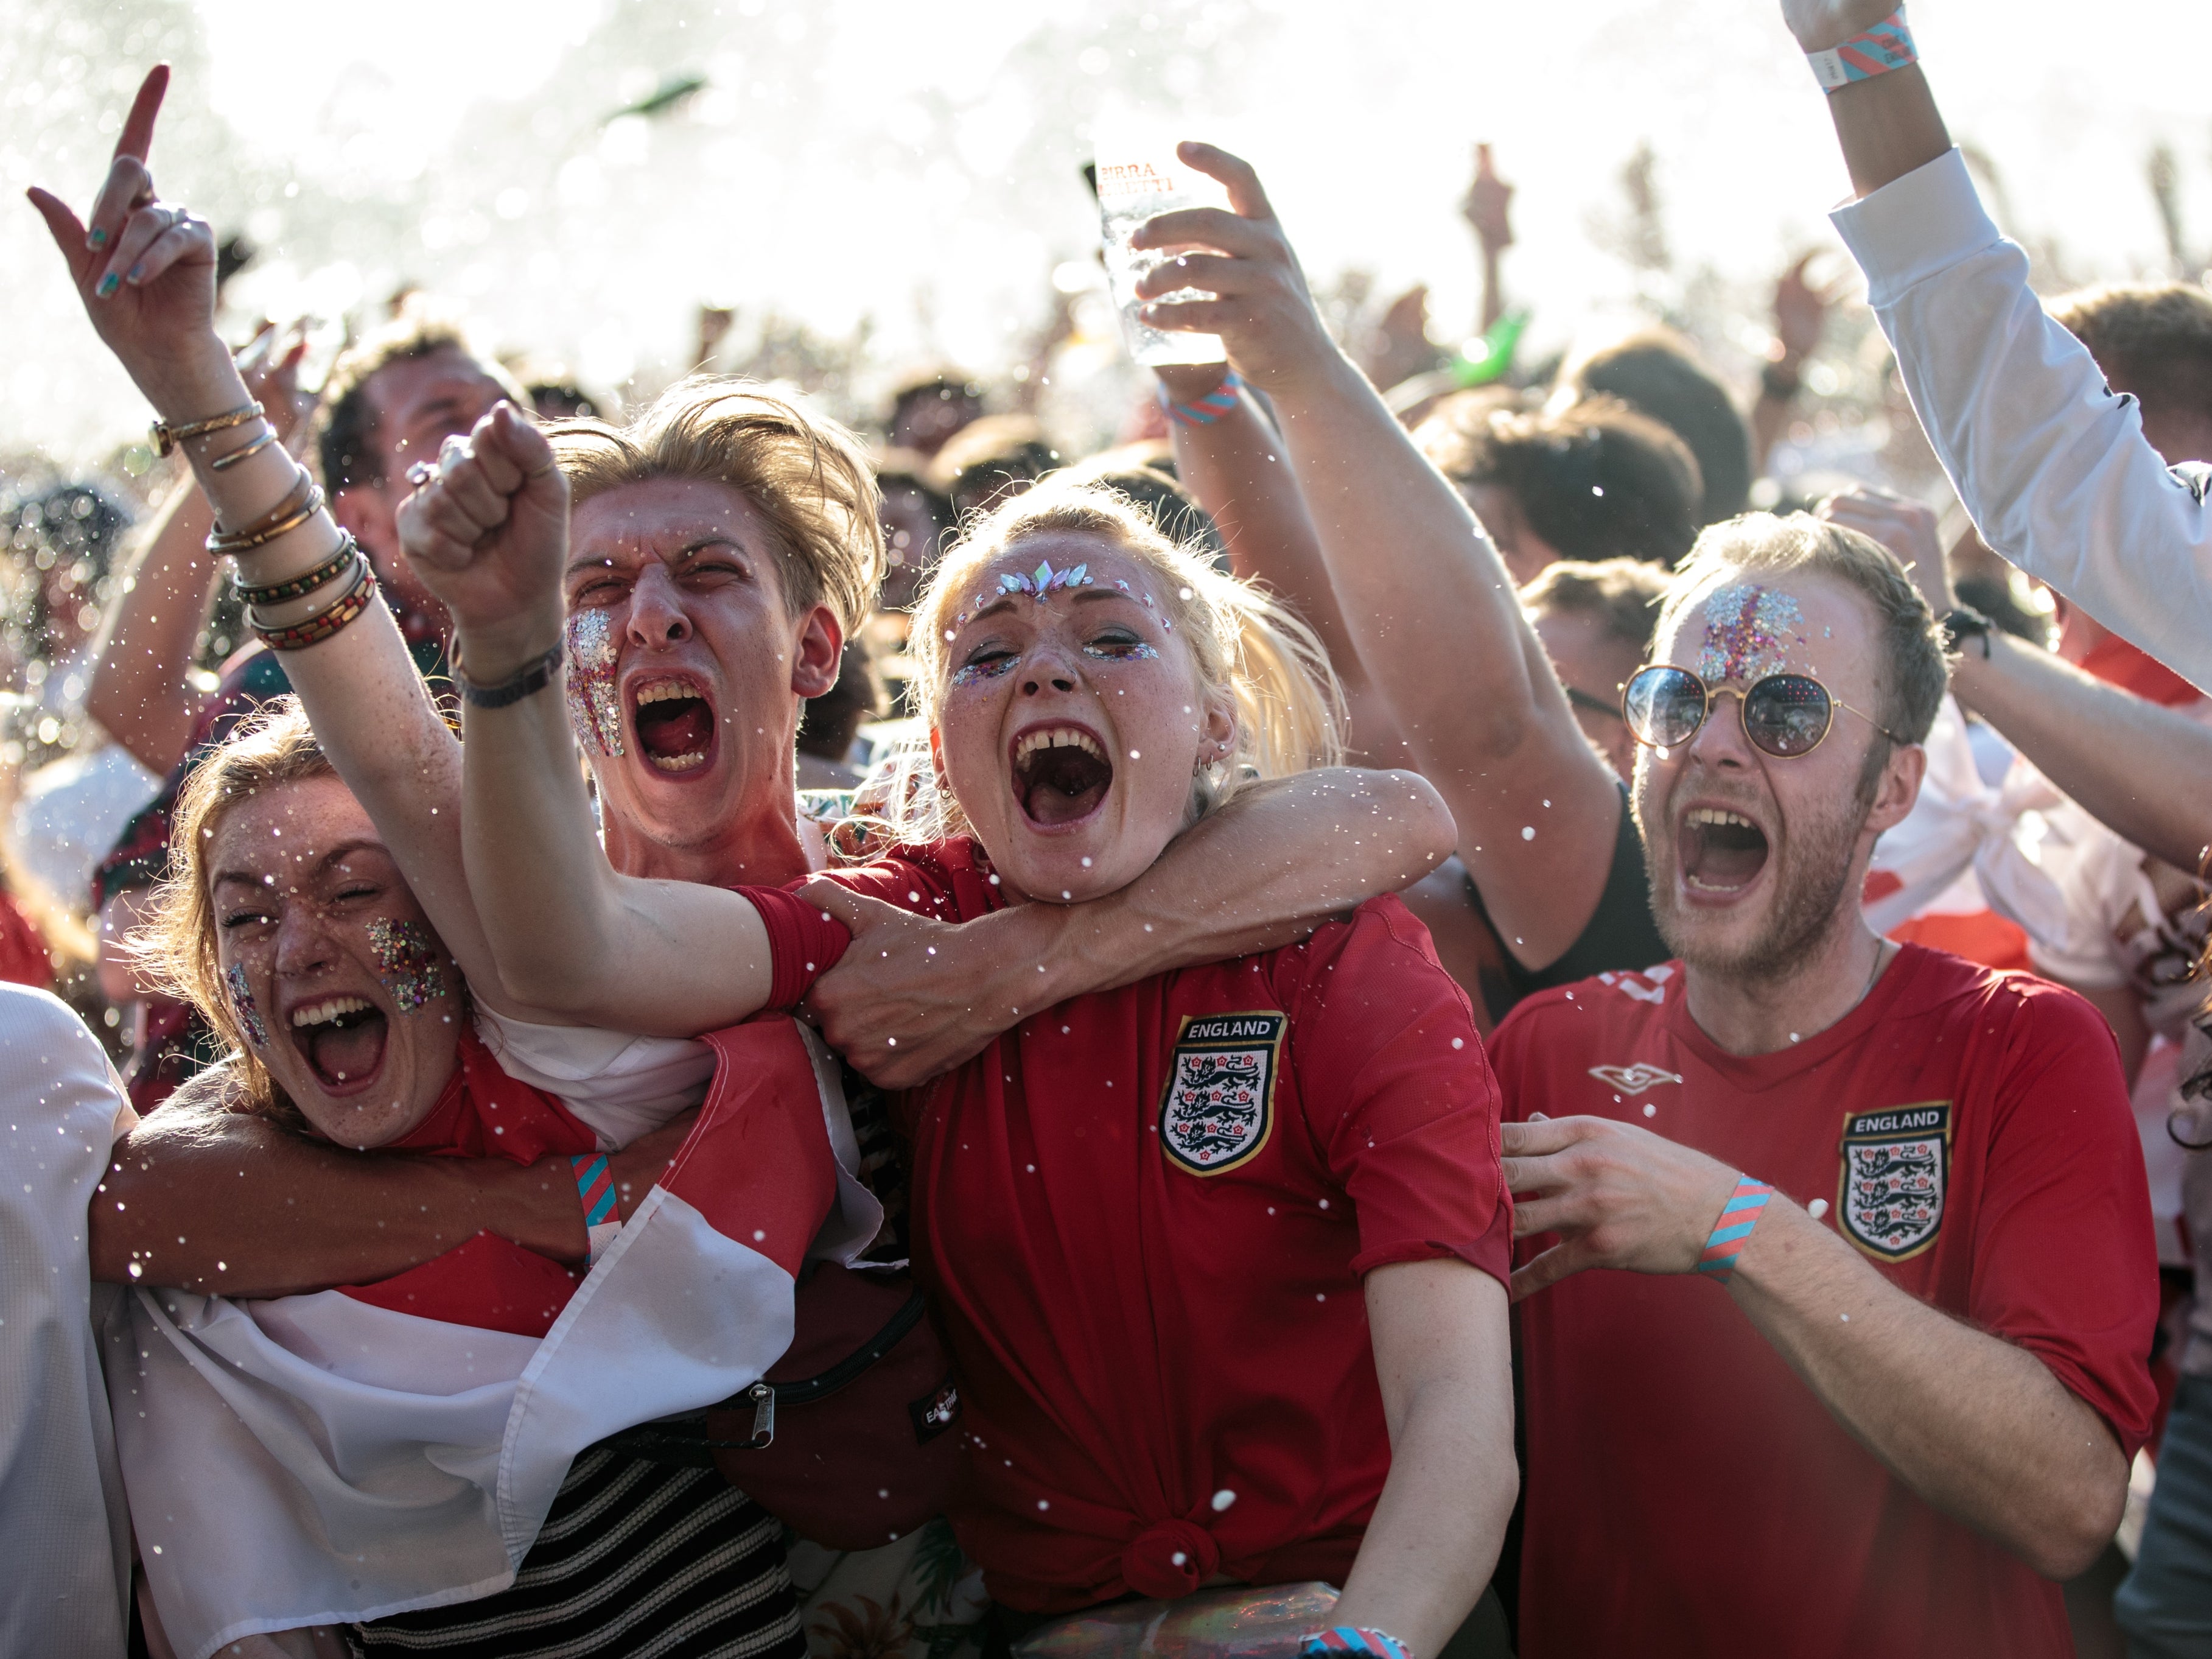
[
  {"x": 595, "y": 710},
  {"x": 243, "y": 1005},
  {"x": 409, "y": 959}
]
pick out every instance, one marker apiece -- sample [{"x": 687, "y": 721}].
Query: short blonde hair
[
  {"x": 1288, "y": 702},
  {"x": 804, "y": 473},
  {"x": 177, "y": 947}
]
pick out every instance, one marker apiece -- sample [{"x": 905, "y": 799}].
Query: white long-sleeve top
[{"x": 2052, "y": 465}]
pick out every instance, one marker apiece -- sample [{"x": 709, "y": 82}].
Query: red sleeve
[
  {"x": 2066, "y": 1260},
  {"x": 803, "y": 942},
  {"x": 1397, "y": 1094}
]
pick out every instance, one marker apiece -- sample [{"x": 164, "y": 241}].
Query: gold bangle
[
  {"x": 295, "y": 510},
  {"x": 167, "y": 437},
  {"x": 231, "y": 457}
]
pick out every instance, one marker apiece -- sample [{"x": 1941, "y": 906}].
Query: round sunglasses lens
[
  {"x": 1664, "y": 706},
  {"x": 1787, "y": 714}
]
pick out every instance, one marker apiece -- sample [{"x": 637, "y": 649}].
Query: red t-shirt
[
  {"x": 1970, "y": 1132},
  {"x": 1144, "y": 1215}
]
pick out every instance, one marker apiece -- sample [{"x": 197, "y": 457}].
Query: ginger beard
[
  {"x": 1073, "y": 722},
  {"x": 683, "y": 678},
  {"x": 340, "y": 986},
  {"x": 1751, "y": 858}
]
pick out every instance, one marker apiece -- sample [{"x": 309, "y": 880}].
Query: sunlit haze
[{"x": 916, "y": 168}]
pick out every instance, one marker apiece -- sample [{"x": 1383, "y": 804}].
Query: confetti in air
[
  {"x": 595, "y": 710},
  {"x": 242, "y": 1003},
  {"x": 1748, "y": 630},
  {"x": 410, "y": 960}
]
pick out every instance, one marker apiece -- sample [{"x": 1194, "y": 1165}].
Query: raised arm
[
  {"x": 1425, "y": 599},
  {"x": 145, "y": 271},
  {"x": 2143, "y": 771},
  {"x": 141, "y": 691},
  {"x": 2052, "y": 466},
  {"x": 567, "y": 932},
  {"x": 915, "y": 997}
]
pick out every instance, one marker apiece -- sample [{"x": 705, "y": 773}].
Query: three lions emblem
[
  {"x": 1895, "y": 1164},
  {"x": 1220, "y": 1102}
]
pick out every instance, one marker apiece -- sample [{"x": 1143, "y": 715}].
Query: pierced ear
[
  {"x": 1217, "y": 732},
  {"x": 821, "y": 643}
]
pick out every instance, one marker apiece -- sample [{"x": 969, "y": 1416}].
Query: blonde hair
[
  {"x": 1288, "y": 703},
  {"x": 802, "y": 472},
  {"x": 177, "y": 948}
]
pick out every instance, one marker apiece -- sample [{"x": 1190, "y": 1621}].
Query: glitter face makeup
[
  {"x": 409, "y": 960},
  {"x": 1125, "y": 651},
  {"x": 1749, "y": 632},
  {"x": 1037, "y": 584},
  {"x": 978, "y": 673},
  {"x": 595, "y": 710},
  {"x": 243, "y": 1005}
]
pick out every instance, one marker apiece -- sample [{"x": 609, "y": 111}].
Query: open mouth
[
  {"x": 675, "y": 726},
  {"x": 1721, "y": 852},
  {"x": 342, "y": 1038},
  {"x": 1061, "y": 774}
]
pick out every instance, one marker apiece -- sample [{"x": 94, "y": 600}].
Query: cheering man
[{"x": 1905, "y": 1402}]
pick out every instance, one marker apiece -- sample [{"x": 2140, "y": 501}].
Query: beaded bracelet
[
  {"x": 324, "y": 624},
  {"x": 167, "y": 437},
  {"x": 1738, "y": 1217},
  {"x": 1887, "y": 45},
  {"x": 1205, "y": 411},
  {"x": 532, "y": 677},
  {"x": 301, "y": 504},
  {"x": 329, "y": 570}
]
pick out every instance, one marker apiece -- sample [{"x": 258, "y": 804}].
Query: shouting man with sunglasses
[{"x": 1889, "y": 1390}]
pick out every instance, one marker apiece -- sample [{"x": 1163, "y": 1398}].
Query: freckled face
[
  {"x": 344, "y": 991},
  {"x": 1074, "y": 720}
]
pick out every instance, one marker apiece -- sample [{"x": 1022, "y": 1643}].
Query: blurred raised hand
[
  {"x": 1822, "y": 24},
  {"x": 145, "y": 270},
  {"x": 1904, "y": 526},
  {"x": 487, "y": 531},
  {"x": 271, "y": 366},
  {"x": 1802, "y": 308},
  {"x": 1487, "y": 206}
]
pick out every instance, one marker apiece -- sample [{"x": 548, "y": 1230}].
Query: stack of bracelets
[{"x": 348, "y": 565}]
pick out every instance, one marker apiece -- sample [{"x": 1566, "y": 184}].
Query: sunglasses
[{"x": 1784, "y": 715}]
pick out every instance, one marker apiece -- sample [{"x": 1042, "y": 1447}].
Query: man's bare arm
[
  {"x": 1424, "y": 598},
  {"x": 914, "y": 997},
  {"x": 139, "y": 692}
]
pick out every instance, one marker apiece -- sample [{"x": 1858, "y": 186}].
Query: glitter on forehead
[
  {"x": 242, "y": 1003},
  {"x": 1749, "y": 631},
  {"x": 1037, "y": 584},
  {"x": 595, "y": 710},
  {"x": 409, "y": 960}
]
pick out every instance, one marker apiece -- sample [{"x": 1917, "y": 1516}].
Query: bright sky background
[{"x": 916, "y": 165}]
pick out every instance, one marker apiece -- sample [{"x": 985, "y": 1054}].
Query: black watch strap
[
  {"x": 532, "y": 677},
  {"x": 1965, "y": 623}
]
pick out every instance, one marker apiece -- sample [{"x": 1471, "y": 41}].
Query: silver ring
[
  {"x": 420, "y": 473},
  {"x": 178, "y": 215}
]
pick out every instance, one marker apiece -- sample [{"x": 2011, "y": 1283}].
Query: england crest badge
[
  {"x": 1220, "y": 1102},
  {"x": 1890, "y": 1192}
]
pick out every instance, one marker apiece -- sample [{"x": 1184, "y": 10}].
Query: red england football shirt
[
  {"x": 1143, "y": 1216},
  {"x": 1970, "y": 1134}
]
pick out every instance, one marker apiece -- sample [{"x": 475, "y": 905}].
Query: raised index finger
[{"x": 138, "y": 126}]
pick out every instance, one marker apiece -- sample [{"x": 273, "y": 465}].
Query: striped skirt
[{"x": 638, "y": 1560}]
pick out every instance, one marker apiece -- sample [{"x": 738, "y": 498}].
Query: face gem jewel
[
  {"x": 595, "y": 710},
  {"x": 1745, "y": 626},
  {"x": 408, "y": 957},
  {"x": 243, "y": 1005}
]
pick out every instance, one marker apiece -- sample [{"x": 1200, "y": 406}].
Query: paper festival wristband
[
  {"x": 1887, "y": 45},
  {"x": 1738, "y": 1217},
  {"x": 595, "y": 1187}
]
